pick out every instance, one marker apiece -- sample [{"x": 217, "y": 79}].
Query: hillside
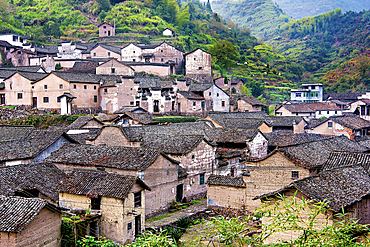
[
  {"x": 304, "y": 8},
  {"x": 262, "y": 17}
]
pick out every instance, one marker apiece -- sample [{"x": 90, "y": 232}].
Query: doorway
[
  {"x": 179, "y": 192},
  {"x": 137, "y": 225},
  {"x": 2, "y": 99},
  {"x": 34, "y": 102},
  {"x": 156, "y": 106}
]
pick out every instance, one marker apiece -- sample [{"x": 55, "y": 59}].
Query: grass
[{"x": 159, "y": 217}]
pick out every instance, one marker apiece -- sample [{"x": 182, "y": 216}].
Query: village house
[
  {"x": 112, "y": 135},
  {"x": 155, "y": 168},
  {"x": 287, "y": 164},
  {"x": 86, "y": 122},
  {"x": 84, "y": 87},
  {"x": 289, "y": 124},
  {"x": 349, "y": 125},
  {"x": 168, "y": 32},
  {"x": 14, "y": 39},
  {"x": 301, "y": 110},
  {"x": 215, "y": 98},
  {"x": 230, "y": 85},
  {"x": 20, "y": 57},
  {"x": 244, "y": 120},
  {"x": 310, "y": 92},
  {"x": 249, "y": 104},
  {"x": 195, "y": 154},
  {"x": 114, "y": 67},
  {"x": 17, "y": 89},
  {"x": 106, "y": 29},
  {"x": 129, "y": 119},
  {"x": 198, "y": 65},
  {"x": 102, "y": 51},
  {"x": 346, "y": 188},
  {"x": 32, "y": 147},
  {"x": 32, "y": 180},
  {"x": 189, "y": 103},
  {"x": 122, "y": 207},
  {"x": 361, "y": 107},
  {"x": 29, "y": 222}
]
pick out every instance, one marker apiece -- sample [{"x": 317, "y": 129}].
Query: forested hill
[
  {"x": 326, "y": 42},
  {"x": 304, "y": 8},
  {"x": 262, "y": 17}
]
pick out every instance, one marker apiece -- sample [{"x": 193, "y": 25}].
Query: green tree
[{"x": 225, "y": 54}]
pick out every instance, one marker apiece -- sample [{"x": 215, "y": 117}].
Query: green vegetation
[
  {"x": 174, "y": 119},
  {"x": 42, "y": 121}
]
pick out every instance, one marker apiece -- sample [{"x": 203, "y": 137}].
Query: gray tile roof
[
  {"x": 222, "y": 135},
  {"x": 17, "y": 212},
  {"x": 340, "y": 187},
  {"x": 283, "y": 121},
  {"x": 171, "y": 144},
  {"x": 313, "y": 154},
  {"x": 283, "y": 139},
  {"x": 346, "y": 97},
  {"x": 297, "y": 108},
  {"x": 141, "y": 117},
  {"x": 114, "y": 49},
  {"x": 83, "y": 120},
  {"x": 125, "y": 158},
  {"x": 125, "y": 109},
  {"x": 97, "y": 183},
  {"x": 223, "y": 118},
  {"x": 75, "y": 77},
  {"x": 226, "y": 181},
  {"x": 341, "y": 159},
  {"x": 41, "y": 176},
  {"x": 190, "y": 95},
  {"x": 32, "y": 76},
  {"x": 200, "y": 87},
  {"x": 323, "y": 106},
  {"x": 31, "y": 69},
  {"x": 153, "y": 82},
  {"x": 11, "y": 132},
  {"x": 352, "y": 122}
]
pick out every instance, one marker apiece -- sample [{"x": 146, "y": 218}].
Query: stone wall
[
  {"x": 112, "y": 136},
  {"x": 226, "y": 196}
]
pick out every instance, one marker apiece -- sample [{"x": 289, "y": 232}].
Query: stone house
[
  {"x": 31, "y": 180},
  {"x": 249, "y": 104},
  {"x": 215, "y": 98},
  {"x": 226, "y": 191},
  {"x": 122, "y": 207},
  {"x": 85, "y": 87},
  {"x": 113, "y": 135},
  {"x": 86, "y": 122},
  {"x": 346, "y": 187},
  {"x": 103, "y": 51},
  {"x": 155, "y": 95},
  {"x": 289, "y": 124},
  {"x": 243, "y": 120},
  {"x": 194, "y": 153},
  {"x": 17, "y": 88},
  {"x": 155, "y": 168},
  {"x": 189, "y": 103},
  {"x": 20, "y": 57},
  {"x": 32, "y": 147},
  {"x": 129, "y": 119},
  {"x": 301, "y": 110},
  {"x": 361, "y": 107},
  {"x": 231, "y": 86},
  {"x": 351, "y": 126},
  {"x": 168, "y": 32},
  {"x": 323, "y": 109},
  {"x": 198, "y": 65},
  {"x": 114, "y": 67},
  {"x": 106, "y": 29},
  {"x": 29, "y": 222}
]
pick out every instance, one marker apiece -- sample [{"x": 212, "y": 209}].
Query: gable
[{"x": 92, "y": 124}]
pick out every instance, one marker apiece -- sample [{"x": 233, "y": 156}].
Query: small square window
[
  {"x": 201, "y": 179},
  {"x": 94, "y": 54},
  {"x": 194, "y": 103},
  {"x": 195, "y": 58},
  {"x": 161, "y": 59},
  {"x": 74, "y": 86},
  {"x": 94, "y": 87},
  {"x": 46, "y": 99},
  {"x": 131, "y": 103},
  {"x": 95, "y": 98},
  {"x": 223, "y": 103},
  {"x": 192, "y": 157},
  {"x": 295, "y": 174},
  {"x": 330, "y": 124},
  {"x": 61, "y": 86},
  {"x": 137, "y": 103},
  {"x": 113, "y": 70},
  {"x": 129, "y": 226},
  {"x": 105, "y": 90},
  {"x": 133, "y": 52},
  {"x": 58, "y": 100},
  {"x": 327, "y": 112},
  {"x": 20, "y": 95},
  {"x": 85, "y": 87},
  {"x": 133, "y": 60},
  {"x": 137, "y": 199},
  {"x": 210, "y": 93},
  {"x": 161, "y": 50},
  {"x": 200, "y": 68},
  {"x": 108, "y": 54},
  {"x": 218, "y": 94},
  {"x": 45, "y": 86}
]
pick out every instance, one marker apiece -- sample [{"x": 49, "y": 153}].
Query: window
[
  {"x": 19, "y": 52},
  {"x": 94, "y": 54},
  {"x": 95, "y": 98},
  {"x": 85, "y": 86},
  {"x": 210, "y": 93},
  {"x": 319, "y": 112},
  {"x": 58, "y": 100},
  {"x": 105, "y": 90},
  {"x": 295, "y": 174},
  {"x": 94, "y": 87},
  {"x": 298, "y": 95},
  {"x": 161, "y": 50},
  {"x": 195, "y": 58},
  {"x": 46, "y": 99},
  {"x": 104, "y": 26},
  {"x": 33, "y": 87},
  {"x": 45, "y": 87},
  {"x": 108, "y": 54},
  {"x": 19, "y": 60},
  {"x": 137, "y": 103},
  {"x": 194, "y": 103},
  {"x": 74, "y": 86},
  {"x": 131, "y": 103},
  {"x": 129, "y": 226},
  {"x": 218, "y": 94},
  {"x": 61, "y": 86},
  {"x": 336, "y": 112},
  {"x": 161, "y": 59},
  {"x": 330, "y": 124},
  {"x": 133, "y": 52},
  {"x": 201, "y": 179},
  {"x": 133, "y": 60},
  {"x": 327, "y": 112},
  {"x": 203, "y": 104},
  {"x": 137, "y": 199},
  {"x": 113, "y": 70},
  {"x": 95, "y": 203},
  {"x": 200, "y": 68},
  {"x": 223, "y": 103},
  {"x": 192, "y": 157},
  {"x": 20, "y": 95}
]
